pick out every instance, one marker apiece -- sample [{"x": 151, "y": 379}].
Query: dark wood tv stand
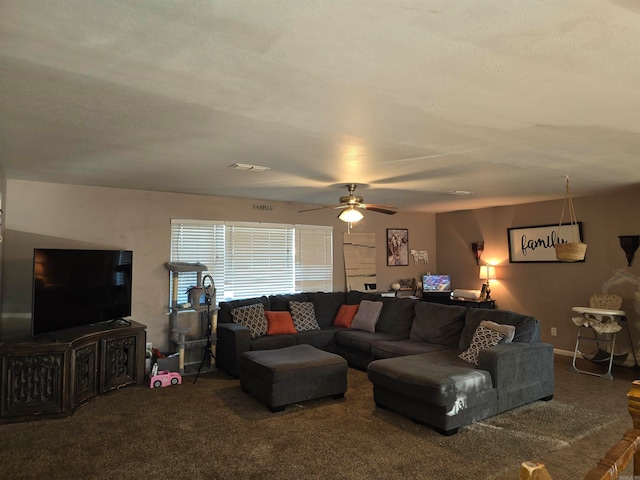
[{"x": 51, "y": 375}]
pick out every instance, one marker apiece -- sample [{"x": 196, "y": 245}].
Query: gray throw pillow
[
  {"x": 304, "y": 316},
  {"x": 252, "y": 317},
  {"x": 509, "y": 331},
  {"x": 367, "y": 316}
]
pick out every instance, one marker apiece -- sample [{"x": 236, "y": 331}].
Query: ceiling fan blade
[
  {"x": 320, "y": 208},
  {"x": 387, "y": 209},
  {"x": 378, "y": 205}
]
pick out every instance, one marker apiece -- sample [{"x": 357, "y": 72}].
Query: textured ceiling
[{"x": 411, "y": 98}]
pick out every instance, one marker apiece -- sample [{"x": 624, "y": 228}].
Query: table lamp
[{"x": 487, "y": 272}]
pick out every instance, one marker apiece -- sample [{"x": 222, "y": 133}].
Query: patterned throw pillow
[
  {"x": 304, "y": 316},
  {"x": 252, "y": 317},
  {"x": 482, "y": 338}
]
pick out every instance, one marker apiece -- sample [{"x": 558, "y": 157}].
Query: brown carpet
[{"x": 212, "y": 430}]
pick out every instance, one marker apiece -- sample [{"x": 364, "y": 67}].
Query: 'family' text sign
[{"x": 536, "y": 244}]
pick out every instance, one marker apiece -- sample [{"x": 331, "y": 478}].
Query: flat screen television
[
  {"x": 436, "y": 283},
  {"x": 79, "y": 287}
]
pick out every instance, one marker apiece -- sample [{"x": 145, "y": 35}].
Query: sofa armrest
[
  {"x": 233, "y": 340},
  {"x": 518, "y": 365}
]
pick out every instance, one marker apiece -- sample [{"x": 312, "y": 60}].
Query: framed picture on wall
[
  {"x": 397, "y": 247},
  {"x": 537, "y": 244}
]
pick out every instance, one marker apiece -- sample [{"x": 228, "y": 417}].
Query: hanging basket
[
  {"x": 573, "y": 251},
  {"x": 570, "y": 252}
]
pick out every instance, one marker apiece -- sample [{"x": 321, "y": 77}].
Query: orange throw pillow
[
  {"x": 345, "y": 316},
  {"x": 279, "y": 323}
]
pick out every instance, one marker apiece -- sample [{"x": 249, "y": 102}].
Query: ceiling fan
[{"x": 351, "y": 204}]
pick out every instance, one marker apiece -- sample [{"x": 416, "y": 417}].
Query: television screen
[
  {"x": 79, "y": 287},
  {"x": 436, "y": 283}
]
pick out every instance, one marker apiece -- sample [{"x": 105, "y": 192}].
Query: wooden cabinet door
[
  {"x": 85, "y": 373},
  {"x": 119, "y": 362},
  {"x": 34, "y": 384}
]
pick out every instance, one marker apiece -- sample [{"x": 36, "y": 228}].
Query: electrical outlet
[{"x": 554, "y": 332}]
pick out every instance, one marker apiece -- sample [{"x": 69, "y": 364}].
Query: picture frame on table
[{"x": 483, "y": 293}]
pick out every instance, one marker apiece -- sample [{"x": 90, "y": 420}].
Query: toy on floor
[{"x": 163, "y": 378}]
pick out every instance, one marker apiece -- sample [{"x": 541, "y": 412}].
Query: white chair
[{"x": 603, "y": 316}]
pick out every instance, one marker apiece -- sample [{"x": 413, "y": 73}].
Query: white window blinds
[
  {"x": 252, "y": 259},
  {"x": 197, "y": 241},
  {"x": 313, "y": 259},
  {"x": 259, "y": 258}
]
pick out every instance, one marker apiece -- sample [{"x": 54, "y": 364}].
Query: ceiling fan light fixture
[{"x": 351, "y": 215}]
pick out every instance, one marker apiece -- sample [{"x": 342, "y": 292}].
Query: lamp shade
[
  {"x": 350, "y": 215},
  {"x": 487, "y": 272}
]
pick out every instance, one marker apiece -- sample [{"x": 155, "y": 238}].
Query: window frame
[{"x": 304, "y": 264}]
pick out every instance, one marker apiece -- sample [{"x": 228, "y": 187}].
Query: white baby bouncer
[{"x": 604, "y": 317}]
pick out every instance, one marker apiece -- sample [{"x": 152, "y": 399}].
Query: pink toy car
[{"x": 165, "y": 378}]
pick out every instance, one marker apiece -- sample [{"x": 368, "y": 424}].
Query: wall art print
[
  {"x": 397, "y": 247},
  {"x": 537, "y": 244}
]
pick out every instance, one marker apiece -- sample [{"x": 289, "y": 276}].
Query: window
[{"x": 252, "y": 259}]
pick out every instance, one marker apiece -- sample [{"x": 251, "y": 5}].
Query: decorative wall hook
[
  {"x": 629, "y": 244},
  {"x": 477, "y": 248}
]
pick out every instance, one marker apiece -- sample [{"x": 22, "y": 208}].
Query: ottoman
[
  {"x": 445, "y": 395},
  {"x": 289, "y": 375}
]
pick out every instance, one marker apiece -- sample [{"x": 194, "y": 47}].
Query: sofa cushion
[
  {"x": 279, "y": 323},
  {"x": 414, "y": 376},
  {"x": 397, "y": 315},
  {"x": 281, "y": 302},
  {"x": 509, "y": 331},
  {"x": 361, "y": 341},
  {"x": 400, "y": 348},
  {"x": 354, "y": 297},
  {"x": 324, "y": 339},
  {"x": 438, "y": 323},
  {"x": 527, "y": 328},
  {"x": 253, "y": 317},
  {"x": 304, "y": 316},
  {"x": 367, "y": 316},
  {"x": 326, "y": 306},
  {"x": 482, "y": 338},
  {"x": 224, "y": 314},
  {"x": 269, "y": 342},
  {"x": 345, "y": 316}
]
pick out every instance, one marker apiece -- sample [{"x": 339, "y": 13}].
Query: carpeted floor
[{"x": 212, "y": 430}]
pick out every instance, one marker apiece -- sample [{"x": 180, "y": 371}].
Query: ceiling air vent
[{"x": 246, "y": 166}]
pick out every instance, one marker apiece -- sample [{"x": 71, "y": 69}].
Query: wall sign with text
[{"x": 536, "y": 244}]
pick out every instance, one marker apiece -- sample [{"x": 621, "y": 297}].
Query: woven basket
[{"x": 570, "y": 252}]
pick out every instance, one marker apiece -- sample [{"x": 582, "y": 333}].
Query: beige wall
[
  {"x": 66, "y": 216},
  {"x": 548, "y": 290},
  {"x": 3, "y": 206}
]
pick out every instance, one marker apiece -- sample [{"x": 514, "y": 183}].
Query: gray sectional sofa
[{"x": 413, "y": 356}]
